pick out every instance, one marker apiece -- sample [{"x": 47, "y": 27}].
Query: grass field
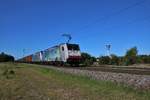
[{"x": 31, "y": 82}]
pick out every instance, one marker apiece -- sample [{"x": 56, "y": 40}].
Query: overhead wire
[
  {"x": 131, "y": 22},
  {"x": 107, "y": 17}
]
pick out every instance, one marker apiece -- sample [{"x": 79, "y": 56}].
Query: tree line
[
  {"x": 131, "y": 57},
  {"x": 5, "y": 57}
]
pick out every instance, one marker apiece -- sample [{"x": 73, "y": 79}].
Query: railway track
[
  {"x": 129, "y": 70},
  {"x": 116, "y": 69}
]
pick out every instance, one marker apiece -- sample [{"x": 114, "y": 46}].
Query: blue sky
[{"x": 35, "y": 25}]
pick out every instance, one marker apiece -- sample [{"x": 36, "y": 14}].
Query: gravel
[{"x": 137, "y": 81}]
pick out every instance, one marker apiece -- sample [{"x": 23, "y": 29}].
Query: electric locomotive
[{"x": 65, "y": 53}]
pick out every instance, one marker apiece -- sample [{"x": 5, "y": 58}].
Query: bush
[{"x": 144, "y": 59}]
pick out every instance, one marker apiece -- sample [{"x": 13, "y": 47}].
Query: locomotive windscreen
[{"x": 73, "y": 47}]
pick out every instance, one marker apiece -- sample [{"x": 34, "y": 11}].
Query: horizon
[{"x": 28, "y": 26}]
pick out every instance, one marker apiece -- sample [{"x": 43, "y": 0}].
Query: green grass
[
  {"x": 104, "y": 89},
  {"x": 35, "y": 83}
]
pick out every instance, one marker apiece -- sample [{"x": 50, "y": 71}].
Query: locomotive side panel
[
  {"x": 37, "y": 57},
  {"x": 52, "y": 54},
  {"x": 63, "y": 52}
]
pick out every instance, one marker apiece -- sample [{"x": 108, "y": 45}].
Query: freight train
[{"x": 65, "y": 53}]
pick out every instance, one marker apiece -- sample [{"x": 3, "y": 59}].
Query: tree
[
  {"x": 5, "y": 57},
  {"x": 87, "y": 59},
  {"x": 131, "y": 56},
  {"x": 104, "y": 60},
  {"x": 114, "y": 60}
]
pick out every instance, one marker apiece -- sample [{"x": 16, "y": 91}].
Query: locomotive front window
[{"x": 73, "y": 47}]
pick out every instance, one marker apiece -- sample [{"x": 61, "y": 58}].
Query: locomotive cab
[{"x": 70, "y": 53}]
